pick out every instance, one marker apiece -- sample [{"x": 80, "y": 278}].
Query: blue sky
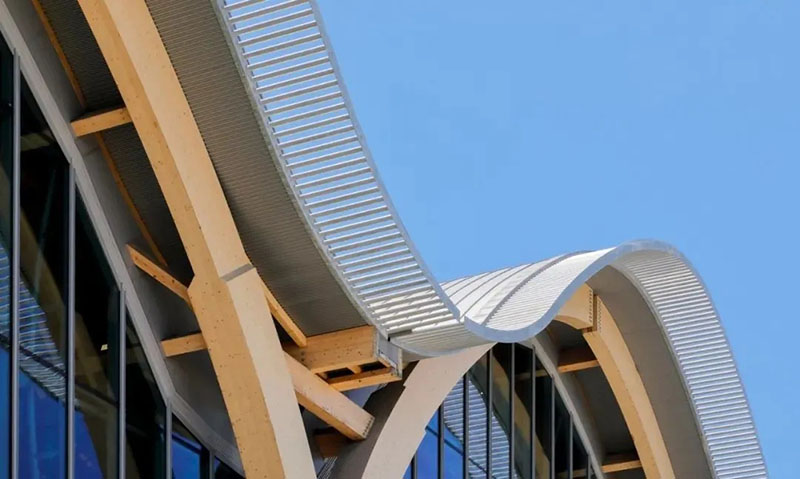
[{"x": 513, "y": 133}]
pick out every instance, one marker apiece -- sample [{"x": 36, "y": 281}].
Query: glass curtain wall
[
  {"x": 7, "y": 134},
  {"x": 503, "y": 419},
  {"x": 77, "y": 397},
  {"x": 191, "y": 460}
]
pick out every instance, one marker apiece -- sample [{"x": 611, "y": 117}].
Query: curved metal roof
[
  {"x": 293, "y": 78},
  {"x": 515, "y": 304}
]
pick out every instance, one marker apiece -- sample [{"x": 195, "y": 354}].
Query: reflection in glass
[
  {"x": 95, "y": 435},
  {"x": 563, "y": 438},
  {"x": 43, "y": 289},
  {"x": 96, "y": 355},
  {"x": 222, "y": 471},
  {"x": 523, "y": 402},
  {"x": 96, "y": 313},
  {"x": 428, "y": 452},
  {"x": 453, "y": 410},
  {"x": 6, "y": 160},
  {"x": 525, "y": 409},
  {"x": 187, "y": 453},
  {"x": 501, "y": 361},
  {"x": 478, "y": 417},
  {"x": 580, "y": 460},
  {"x": 544, "y": 403},
  {"x": 145, "y": 414}
]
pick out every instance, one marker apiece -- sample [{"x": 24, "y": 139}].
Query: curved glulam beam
[
  {"x": 615, "y": 360},
  {"x": 620, "y": 370},
  {"x": 226, "y": 293},
  {"x": 578, "y": 311},
  {"x": 401, "y": 412}
]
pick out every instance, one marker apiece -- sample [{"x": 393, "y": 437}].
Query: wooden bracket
[
  {"x": 167, "y": 280},
  {"x": 100, "y": 120},
  {"x": 576, "y": 359}
]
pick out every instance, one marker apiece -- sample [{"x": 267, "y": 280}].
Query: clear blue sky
[{"x": 512, "y": 131}]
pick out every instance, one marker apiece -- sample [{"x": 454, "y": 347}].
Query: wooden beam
[
  {"x": 576, "y": 359},
  {"x": 159, "y": 274},
  {"x": 283, "y": 318},
  {"x": 51, "y": 35},
  {"x": 364, "y": 379},
  {"x": 328, "y": 404},
  {"x": 165, "y": 278},
  {"x": 226, "y": 292},
  {"x": 194, "y": 342},
  {"x": 137, "y": 217},
  {"x": 609, "y": 347},
  {"x": 101, "y": 120},
  {"x": 183, "y": 345},
  {"x": 621, "y": 462},
  {"x": 577, "y": 311},
  {"x": 338, "y": 350},
  {"x": 323, "y": 400}
]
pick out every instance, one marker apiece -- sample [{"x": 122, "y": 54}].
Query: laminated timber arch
[
  {"x": 226, "y": 292},
  {"x": 515, "y": 304}
]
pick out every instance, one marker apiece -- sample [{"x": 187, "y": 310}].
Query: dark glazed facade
[
  {"x": 503, "y": 419},
  {"x": 68, "y": 406}
]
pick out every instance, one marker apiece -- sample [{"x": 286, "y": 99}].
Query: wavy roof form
[
  {"x": 515, "y": 304},
  {"x": 294, "y": 80}
]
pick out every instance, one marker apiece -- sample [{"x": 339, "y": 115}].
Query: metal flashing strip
[{"x": 294, "y": 79}]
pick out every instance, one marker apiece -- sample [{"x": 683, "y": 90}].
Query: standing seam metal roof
[
  {"x": 292, "y": 77},
  {"x": 515, "y": 304}
]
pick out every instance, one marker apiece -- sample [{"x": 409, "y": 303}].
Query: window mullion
[
  {"x": 512, "y": 396},
  {"x": 70, "y": 373},
  {"x": 121, "y": 375},
  {"x": 15, "y": 276},
  {"x": 440, "y": 451},
  {"x": 489, "y": 412}
]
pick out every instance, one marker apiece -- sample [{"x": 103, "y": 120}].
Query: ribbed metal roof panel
[
  {"x": 294, "y": 84},
  {"x": 515, "y": 304}
]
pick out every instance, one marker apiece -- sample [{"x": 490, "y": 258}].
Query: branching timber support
[
  {"x": 168, "y": 281},
  {"x": 227, "y": 293},
  {"x": 323, "y": 400}
]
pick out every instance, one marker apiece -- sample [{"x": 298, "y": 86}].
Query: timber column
[{"x": 226, "y": 292}]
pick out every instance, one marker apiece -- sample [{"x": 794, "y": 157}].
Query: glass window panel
[
  {"x": 453, "y": 408},
  {"x": 96, "y": 355},
  {"x": 453, "y": 462},
  {"x": 6, "y": 160},
  {"x": 42, "y": 431},
  {"x": 95, "y": 435},
  {"x": 544, "y": 401},
  {"x": 222, "y": 471},
  {"x": 145, "y": 414},
  {"x": 96, "y": 313},
  {"x": 43, "y": 287},
  {"x": 523, "y": 402},
  {"x": 580, "y": 460},
  {"x": 187, "y": 453},
  {"x": 501, "y": 361},
  {"x": 563, "y": 444},
  {"x": 478, "y": 417},
  {"x": 427, "y": 456}
]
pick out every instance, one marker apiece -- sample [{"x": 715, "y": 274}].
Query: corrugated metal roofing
[
  {"x": 515, "y": 304},
  {"x": 293, "y": 82}
]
